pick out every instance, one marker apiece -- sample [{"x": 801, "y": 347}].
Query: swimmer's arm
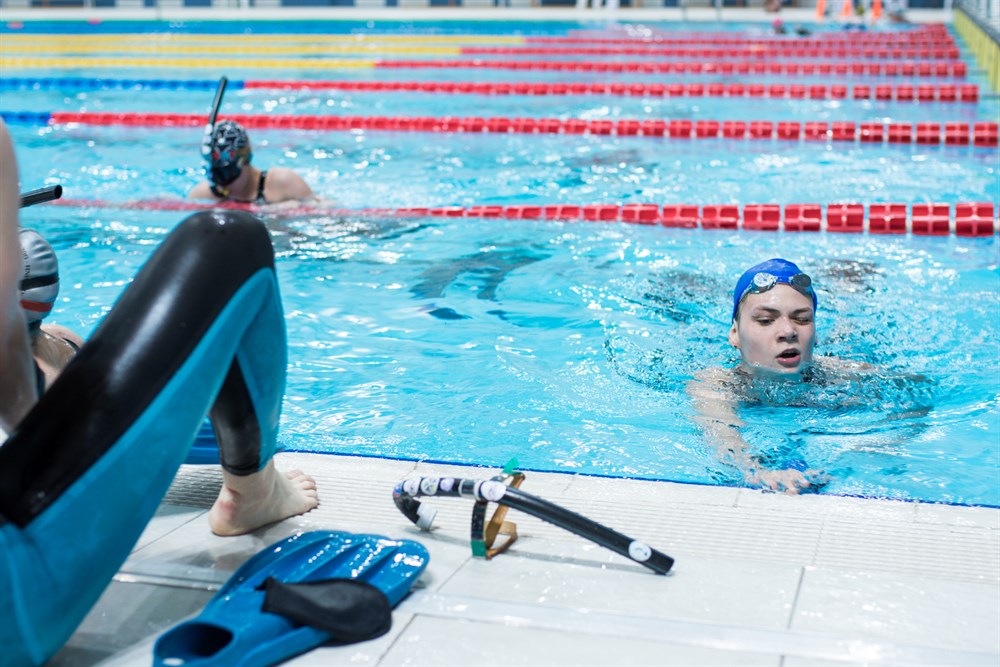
[
  {"x": 715, "y": 413},
  {"x": 18, "y": 391}
]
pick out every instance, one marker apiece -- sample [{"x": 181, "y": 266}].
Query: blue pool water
[{"x": 567, "y": 345}]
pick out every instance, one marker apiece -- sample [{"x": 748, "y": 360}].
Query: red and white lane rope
[
  {"x": 979, "y": 134},
  {"x": 967, "y": 219},
  {"x": 941, "y": 68},
  {"x": 898, "y": 93}
]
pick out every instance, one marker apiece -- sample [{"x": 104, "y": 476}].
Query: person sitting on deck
[
  {"x": 233, "y": 178},
  {"x": 85, "y": 465}
]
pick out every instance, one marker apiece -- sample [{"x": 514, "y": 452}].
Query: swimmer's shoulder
[
  {"x": 844, "y": 366},
  {"x": 284, "y": 184},
  {"x": 835, "y": 369},
  {"x": 202, "y": 191},
  {"x": 65, "y": 333}
]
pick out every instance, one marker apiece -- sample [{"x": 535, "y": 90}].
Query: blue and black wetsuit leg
[{"x": 199, "y": 331}]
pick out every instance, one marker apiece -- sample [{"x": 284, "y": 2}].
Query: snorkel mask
[
  {"x": 766, "y": 275},
  {"x": 227, "y": 153}
]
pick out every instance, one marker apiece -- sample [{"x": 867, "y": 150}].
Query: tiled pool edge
[{"x": 760, "y": 578}]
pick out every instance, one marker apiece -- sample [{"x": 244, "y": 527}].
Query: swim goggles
[{"x": 762, "y": 282}]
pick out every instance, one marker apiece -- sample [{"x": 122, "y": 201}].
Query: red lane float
[
  {"x": 970, "y": 219},
  {"x": 760, "y": 51},
  {"x": 923, "y": 69},
  {"x": 981, "y": 134},
  {"x": 900, "y": 93}
]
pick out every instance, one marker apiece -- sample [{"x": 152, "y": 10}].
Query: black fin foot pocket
[{"x": 350, "y": 610}]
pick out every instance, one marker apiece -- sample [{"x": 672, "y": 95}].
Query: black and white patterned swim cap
[{"x": 40, "y": 279}]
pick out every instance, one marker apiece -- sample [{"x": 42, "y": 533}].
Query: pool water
[{"x": 567, "y": 344}]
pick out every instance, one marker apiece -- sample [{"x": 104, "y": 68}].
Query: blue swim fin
[{"x": 344, "y": 583}]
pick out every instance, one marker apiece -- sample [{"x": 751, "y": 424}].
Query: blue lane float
[
  {"x": 25, "y": 117},
  {"x": 87, "y": 83}
]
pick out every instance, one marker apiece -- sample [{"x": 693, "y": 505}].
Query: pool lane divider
[
  {"x": 787, "y": 50},
  {"x": 954, "y": 134},
  {"x": 898, "y": 93},
  {"x": 922, "y": 69},
  {"x": 966, "y": 219}
]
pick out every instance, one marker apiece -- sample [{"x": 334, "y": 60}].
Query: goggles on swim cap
[
  {"x": 766, "y": 275},
  {"x": 228, "y": 152},
  {"x": 40, "y": 279}
]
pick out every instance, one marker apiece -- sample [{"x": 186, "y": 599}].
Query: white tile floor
[{"x": 760, "y": 579}]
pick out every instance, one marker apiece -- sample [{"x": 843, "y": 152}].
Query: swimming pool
[{"x": 565, "y": 344}]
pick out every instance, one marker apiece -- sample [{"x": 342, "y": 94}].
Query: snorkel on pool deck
[{"x": 503, "y": 490}]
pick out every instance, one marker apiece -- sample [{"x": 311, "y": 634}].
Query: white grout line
[{"x": 719, "y": 637}]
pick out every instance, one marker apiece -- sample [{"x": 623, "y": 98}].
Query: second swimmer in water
[
  {"x": 52, "y": 345},
  {"x": 232, "y": 177}
]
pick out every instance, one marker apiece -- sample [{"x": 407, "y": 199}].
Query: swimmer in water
[
  {"x": 233, "y": 178},
  {"x": 774, "y": 329},
  {"x": 52, "y": 345}
]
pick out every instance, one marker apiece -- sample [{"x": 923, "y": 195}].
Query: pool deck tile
[
  {"x": 904, "y": 608},
  {"x": 760, "y": 579},
  {"x": 431, "y": 642}
]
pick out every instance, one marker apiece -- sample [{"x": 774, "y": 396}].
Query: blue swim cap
[{"x": 766, "y": 275}]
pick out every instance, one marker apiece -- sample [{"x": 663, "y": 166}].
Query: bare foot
[{"x": 251, "y": 501}]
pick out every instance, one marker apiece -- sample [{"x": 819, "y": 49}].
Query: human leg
[{"x": 199, "y": 328}]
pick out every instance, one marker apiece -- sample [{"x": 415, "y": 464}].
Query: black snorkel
[
  {"x": 206, "y": 144},
  {"x": 494, "y": 490},
  {"x": 206, "y": 147},
  {"x": 40, "y": 196}
]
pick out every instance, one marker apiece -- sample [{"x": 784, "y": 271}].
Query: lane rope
[
  {"x": 915, "y": 69},
  {"x": 899, "y": 93},
  {"x": 984, "y": 134},
  {"x": 966, "y": 219}
]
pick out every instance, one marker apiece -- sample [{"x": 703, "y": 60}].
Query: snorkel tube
[
  {"x": 493, "y": 490},
  {"x": 40, "y": 196},
  {"x": 206, "y": 144}
]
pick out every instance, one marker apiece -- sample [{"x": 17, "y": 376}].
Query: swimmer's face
[{"x": 775, "y": 331}]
